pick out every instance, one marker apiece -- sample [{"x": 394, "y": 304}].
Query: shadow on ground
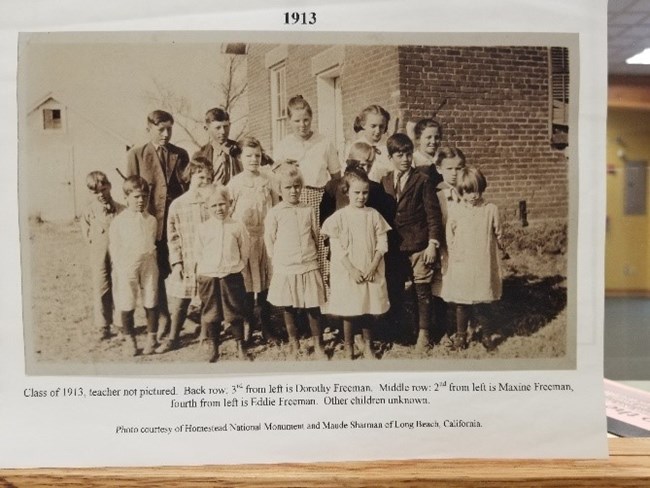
[{"x": 529, "y": 303}]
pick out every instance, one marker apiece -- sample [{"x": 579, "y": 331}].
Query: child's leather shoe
[{"x": 150, "y": 346}]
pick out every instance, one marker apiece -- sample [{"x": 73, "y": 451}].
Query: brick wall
[
  {"x": 259, "y": 94},
  {"x": 497, "y": 112},
  {"x": 497, "y": 109},
  {"x": 299, "y": 82},
  {"x": 369, "y": 75}
]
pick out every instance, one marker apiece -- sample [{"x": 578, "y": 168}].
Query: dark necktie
[
  {"x": 398, "y": 184},
  {"x": 162, "y": 155},
  {"x": 221, "y": 167}
]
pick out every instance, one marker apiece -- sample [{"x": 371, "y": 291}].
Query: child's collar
[
  {"x": 284, "y": 203},
  {"x": 302, "y": 139},
  {"x": 409, "y": 170},
  {"x": 110, "y": 206},
  {"x": 479, "y": 202},
  {"x": 195, "y": 195},
  {"x": 221, "y": 148},
  {"x": 226, "y": 219}
]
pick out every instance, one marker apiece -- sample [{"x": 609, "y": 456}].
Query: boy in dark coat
[{"x": 416, "y": 236}]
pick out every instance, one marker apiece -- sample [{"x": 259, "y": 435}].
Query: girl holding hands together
[{"x": 358, "y": 240}]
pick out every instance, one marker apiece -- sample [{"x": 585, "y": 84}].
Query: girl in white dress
[
  {"x": 358, "y": 241},
  {"x": 290, "y": 235},
  {"x": 449, "y": 162},
  {"x": 472, "y": 279},
  {"x": 253, "y": 196}
]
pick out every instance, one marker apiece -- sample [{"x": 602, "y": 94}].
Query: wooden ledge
[
  {"x": 628, "y": 465},
  {"x": 634, "y": 293}
]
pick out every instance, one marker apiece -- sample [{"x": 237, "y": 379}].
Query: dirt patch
[{"x": 531, "y": 315}]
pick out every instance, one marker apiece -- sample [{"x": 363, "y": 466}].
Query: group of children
[{"x": 297, "y": 234}]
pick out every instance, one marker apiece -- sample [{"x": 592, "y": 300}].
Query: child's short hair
[
  {"x": 249, "y": 141},
  {"x": 216, "y": 115},
  {"x": 219, "y": 191},
  {"x": 399, "y": 143},
  {"x": 470, "y": 180},
  {"x": 289, "y": 172},
  {"x": 425, "y": 124},
  {"x": 133, "y": 183},
  {"x": 360, "y": 120},
  {"x": 158, "y": 116},
  {"x": 449, "y": 152},
  {"x": 353, "y": 173},
  {"x": 96, "y": 180},
  {"x": 361, "y": 151},
  {"x": 196, "y": 165},
  {"x": 298, "y": 103}
]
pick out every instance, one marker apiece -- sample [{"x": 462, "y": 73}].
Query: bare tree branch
[
  {"x": 180, "y": 107},
  {"x": 230, "y": 89},
  {"x": 237, "y": 94}
]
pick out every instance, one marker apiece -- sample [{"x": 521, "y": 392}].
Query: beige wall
[{"x": 627, "y": 265}]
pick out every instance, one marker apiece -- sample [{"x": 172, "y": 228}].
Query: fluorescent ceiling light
[{"x": 640, "y": 58}]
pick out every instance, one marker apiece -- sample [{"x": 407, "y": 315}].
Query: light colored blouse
[
  {"x": 132, "y": 235},
  {"x": 423, "y": 159},
  {"x": 290, "y": 235},
  {"x": 223, "y": 247},
  {"x": 253, "y": 196},
  {"x": 315, "y": 157}
]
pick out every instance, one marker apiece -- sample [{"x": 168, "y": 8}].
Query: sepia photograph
[
  {"x": 324, "y": 231},
  {"x": 228, "y": 202}
]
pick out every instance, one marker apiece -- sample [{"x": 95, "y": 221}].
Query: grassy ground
[{"x": 531, "y": 315}]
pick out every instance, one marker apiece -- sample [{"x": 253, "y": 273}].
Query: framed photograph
[{"x": 319, "y": 241}]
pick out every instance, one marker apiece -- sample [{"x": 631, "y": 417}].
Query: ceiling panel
[{"x": 629, "y": 33}]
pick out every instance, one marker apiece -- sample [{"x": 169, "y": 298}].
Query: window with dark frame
[
  {"x": 52, "y": 119},
  {"x": 559, "y": 94}
]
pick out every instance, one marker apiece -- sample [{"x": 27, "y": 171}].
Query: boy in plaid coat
[{"x": 185, "y": 215}]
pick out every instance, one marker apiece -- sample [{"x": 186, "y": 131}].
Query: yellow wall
[{"x": 628, "y": 236}]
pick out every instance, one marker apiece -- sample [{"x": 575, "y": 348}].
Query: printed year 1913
[{"x": 300, "y": 18}]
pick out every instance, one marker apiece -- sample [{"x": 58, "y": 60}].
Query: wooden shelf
[
  {"x": 628, "y": 465},
  {"x": 611, "y": 293}
]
